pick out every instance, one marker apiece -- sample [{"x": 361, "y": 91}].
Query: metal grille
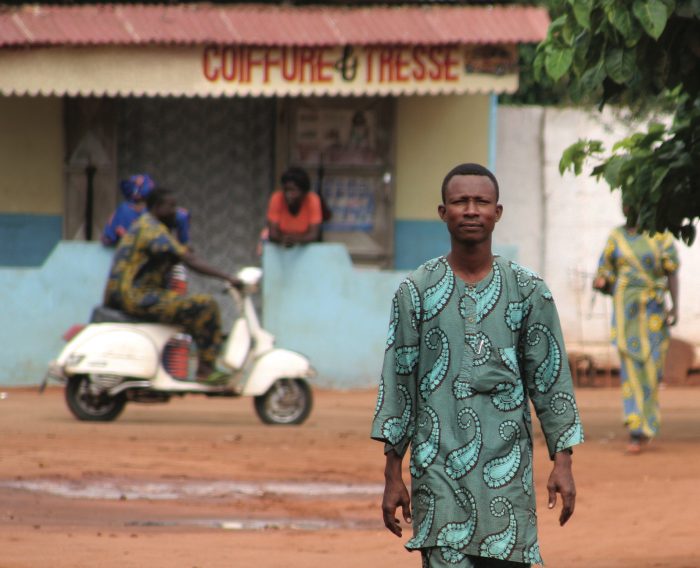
[{"x": 217, "y": 154}]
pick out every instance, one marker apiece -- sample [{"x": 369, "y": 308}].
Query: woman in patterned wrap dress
[{"x": 638, "y": 269}]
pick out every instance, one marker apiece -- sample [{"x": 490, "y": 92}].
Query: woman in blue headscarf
[{"x": 135, "y": 190}]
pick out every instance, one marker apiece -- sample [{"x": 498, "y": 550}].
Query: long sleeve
[
  {"x": 182, "y": 225},
  {"x": 669, "y": 255},
  {"x": 606, "y": 264},
  {"x": 162, "y": 242},
  {"x": 547, "y": 375},
  {"x": 119, "y": 223},
  {"x": 394, "y": 418}
]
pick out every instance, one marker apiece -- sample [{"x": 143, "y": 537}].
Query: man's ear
[
  {"x": 441, "y": 211},
  {"x": 499, "y": 212}
]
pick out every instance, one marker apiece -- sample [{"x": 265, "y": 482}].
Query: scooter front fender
[{"x": 274, "y": 365}]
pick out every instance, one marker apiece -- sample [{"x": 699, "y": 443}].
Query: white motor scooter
[{"x": 117, "y": 359}]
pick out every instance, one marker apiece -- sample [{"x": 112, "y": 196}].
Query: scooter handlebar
[{"x": 228, "y": 287}]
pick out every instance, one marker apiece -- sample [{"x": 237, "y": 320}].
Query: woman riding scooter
[{"x": 137, "y": 283}]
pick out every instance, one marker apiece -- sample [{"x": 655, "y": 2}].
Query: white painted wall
[
  {"x": 518, "y": 171},
  {"x": 560, "y": 223}
]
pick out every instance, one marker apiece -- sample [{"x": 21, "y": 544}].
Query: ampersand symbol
[{"x": 347, "y": 64}]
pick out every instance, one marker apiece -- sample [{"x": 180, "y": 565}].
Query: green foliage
[
  {"x": 652, "y": 14},
  {"x": 530, "y": 90},
  {"x": 558, "y": 61},
  {"x": 646, "y": 57},
  {"x": 576, "y": 154}
]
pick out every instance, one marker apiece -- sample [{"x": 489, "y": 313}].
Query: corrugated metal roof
[{"x": 267, "y": 25}]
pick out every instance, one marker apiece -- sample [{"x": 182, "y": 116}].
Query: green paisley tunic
[{"x": 461, "y": 363}]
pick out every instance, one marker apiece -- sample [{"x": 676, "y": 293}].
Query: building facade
[{"x": 377, "y": 103}]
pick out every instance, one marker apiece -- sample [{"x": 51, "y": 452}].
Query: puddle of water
[
  {"x": 118, "y": 490},
  {"x": 264, "y": 524}
]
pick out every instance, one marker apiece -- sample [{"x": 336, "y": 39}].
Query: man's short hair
[
  {"x": 298, "y": 177},
  {"x": 157, "y": 196},
  {"x": 469, "y": 170}
]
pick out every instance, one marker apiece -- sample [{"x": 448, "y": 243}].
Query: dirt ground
[{"x": 201, "y": 483}]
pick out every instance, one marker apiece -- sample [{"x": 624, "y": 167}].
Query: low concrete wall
[
  {"x": 42, "y": 303},
  {"x": 316, "y": 302}
]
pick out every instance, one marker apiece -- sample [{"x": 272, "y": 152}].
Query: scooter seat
[{"x": 103, "y": 314}]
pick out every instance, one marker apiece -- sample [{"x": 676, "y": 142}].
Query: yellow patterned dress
[
  {"x": 138, "y": 285},
  {"x": 637, "y": 266}
]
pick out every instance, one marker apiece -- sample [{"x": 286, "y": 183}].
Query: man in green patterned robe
[{"x": 472, "y": 339}]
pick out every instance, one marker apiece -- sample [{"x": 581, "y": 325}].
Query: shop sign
[
  {"x": 240, "y": 70},
  {"x": 352, "y": 70}
]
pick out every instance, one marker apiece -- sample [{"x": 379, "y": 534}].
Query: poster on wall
[
  {"x": 335, "y": 137},
  {"x": 351, "y": 199}
]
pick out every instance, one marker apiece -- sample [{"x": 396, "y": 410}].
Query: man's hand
[
  {"x": 395, "y": 495},
  {"x": 561, "y": 481}
]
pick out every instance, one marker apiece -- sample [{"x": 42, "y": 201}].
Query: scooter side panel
[
  {"x": 124, "y": 350},
  {"x": 274, "y": 365}
]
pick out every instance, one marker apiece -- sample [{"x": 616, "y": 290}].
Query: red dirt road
[{"x": 631, "y": 512}]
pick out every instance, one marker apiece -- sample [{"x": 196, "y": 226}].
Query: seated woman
[
  {"x": 135, "y": 191},
  {"x": 294, "y": 213}
]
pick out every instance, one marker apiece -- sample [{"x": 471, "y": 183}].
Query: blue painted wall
[
  {"x": 316, "y": 302},
  {"x": 417, "y": 241},
  {"x": 40, "y": 304},
  {"x": 27, "y": 239},
  {"x": 493, "y": 131}
]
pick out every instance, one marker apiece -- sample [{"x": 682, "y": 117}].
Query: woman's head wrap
[{"x": 137, "y": 187}]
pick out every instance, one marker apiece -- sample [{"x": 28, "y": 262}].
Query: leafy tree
[
  {"x": 534, "y": 91},
  {"x": 643, "y": 54}
]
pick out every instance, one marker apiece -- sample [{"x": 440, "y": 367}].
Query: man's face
[
  {"x": 470, "y": 210},
  {"x": 293, "y": 195},
  {"x": 166, "y": 211}
]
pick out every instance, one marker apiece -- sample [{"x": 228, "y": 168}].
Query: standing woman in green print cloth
[{"x": 638, "y": 270}]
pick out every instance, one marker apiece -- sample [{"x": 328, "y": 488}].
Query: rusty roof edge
[
  {"x": 230, "y": 26},
  {"x": 334, "y": 28},
  {"x": 128, "y": 27},
  {"x": 536, "y": 20},
  {"x": 17, "y": 20}
]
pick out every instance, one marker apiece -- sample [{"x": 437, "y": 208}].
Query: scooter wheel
[
  {"x": 85, "y": 404},
  {"x": 286, "y": 402}
]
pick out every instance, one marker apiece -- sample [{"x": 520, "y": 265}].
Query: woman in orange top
[{"x": 294, "y": 214}]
